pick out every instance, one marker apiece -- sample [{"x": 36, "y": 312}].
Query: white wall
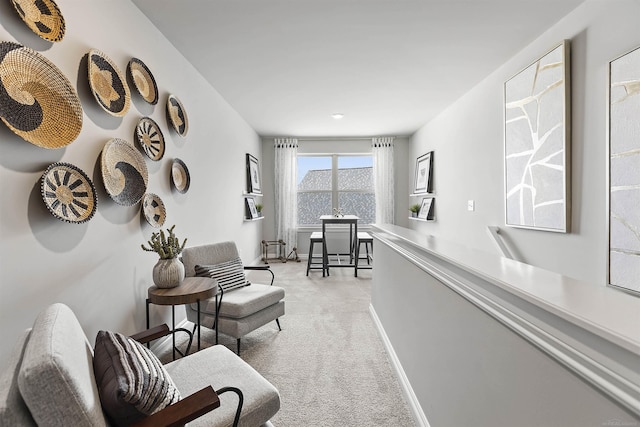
[
  {"x": 467, "y": 139},
  {"x": 335, "y": 145},
  {"x": 98, "y": 268}
]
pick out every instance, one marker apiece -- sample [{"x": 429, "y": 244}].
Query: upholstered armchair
[
  {"x": 241, "y": 306},
  {"x": 55, "y": 378}
]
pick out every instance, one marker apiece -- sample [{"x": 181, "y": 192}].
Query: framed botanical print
[
  {"x": 423, "y": 173},
  {"x": 253, "y": 175}
]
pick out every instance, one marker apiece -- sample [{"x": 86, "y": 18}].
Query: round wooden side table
[{"x": 191, "y": 290}]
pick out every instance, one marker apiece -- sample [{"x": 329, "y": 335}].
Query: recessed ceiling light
[{"x": 337, "y": 116}]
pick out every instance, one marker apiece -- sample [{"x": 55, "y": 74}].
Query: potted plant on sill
[
  {"x": 414, "y": 210},
  {"x": 259, "y": 209},
  {"x": 169, "y": 270}
]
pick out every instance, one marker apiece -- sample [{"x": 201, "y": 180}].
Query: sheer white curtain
[
  {"x": 286, "y": 190},
  {"x": 383, "y": 182}
]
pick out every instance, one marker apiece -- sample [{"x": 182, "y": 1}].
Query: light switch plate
[{"x": 471, "y": 205}]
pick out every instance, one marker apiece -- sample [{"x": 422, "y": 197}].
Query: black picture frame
[
  {"x": 253, "y": 175},
  {"x": 251, "y": 211},
  {"x": 426, "y": 209},
  {"x": 423, "y": 174}
]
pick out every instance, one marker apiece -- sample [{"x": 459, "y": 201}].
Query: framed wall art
[
  {"x": 423, "y": 181},
  {"x": 253, "y": 175},
  {"x": 537, "y": 144},
  {"x": 252, "y": 212},
  {"x": 624, "y": 171},
  {"x": 426, "y": 209}
]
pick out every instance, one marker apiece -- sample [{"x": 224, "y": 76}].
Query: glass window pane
[
  {"x": 362, "y": 205},
  {"x": 312, "y": 205},
  {"x": 314, "y": 173},
  {"x": 355, "y": 173}
]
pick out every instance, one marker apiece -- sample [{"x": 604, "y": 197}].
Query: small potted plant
[
  {"x": 414, "y": 210},
  {"x": 169, "y": 270},
  {"x": 259, "y": 209}
]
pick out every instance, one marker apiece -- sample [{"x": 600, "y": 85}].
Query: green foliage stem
[
  {"x": 414, "y": 208},
  {"x": 167, "y": 247}
]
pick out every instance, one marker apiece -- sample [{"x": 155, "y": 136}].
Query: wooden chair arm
[
  {"x": 261, "y": 268},
  {"x": 151, "y": 334},
  {"x": 184, "y": 411}
]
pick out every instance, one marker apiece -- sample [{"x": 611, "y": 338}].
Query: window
[{"x": 333, "y": 181}]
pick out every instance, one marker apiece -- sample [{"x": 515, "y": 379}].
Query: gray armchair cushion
[
  {"x": 219, "y": 367},
  {"x": 244, "y": 302},
  {"x": 13, "y": 410},
  {"x": 214, "y": 253},
  {"x": 56, "y": 376},
  {"x": 131, "y": 380}
]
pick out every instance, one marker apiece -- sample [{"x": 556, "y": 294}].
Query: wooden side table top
[{"x": 189, "y": 291}]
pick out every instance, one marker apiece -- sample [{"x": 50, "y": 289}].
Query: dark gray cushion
[{"x": 132, "y": 382}]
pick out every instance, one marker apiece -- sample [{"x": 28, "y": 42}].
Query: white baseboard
[{"x": 410, "y": 396}]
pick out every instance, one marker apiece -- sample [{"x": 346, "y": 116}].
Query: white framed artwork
[
  {"x": 624, "y": 172},
  {"x": 537, "y": 144}
]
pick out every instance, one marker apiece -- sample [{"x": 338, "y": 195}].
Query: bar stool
[
  {"x": 312, "y": 263},
  {"x": 363, "y": 237}
]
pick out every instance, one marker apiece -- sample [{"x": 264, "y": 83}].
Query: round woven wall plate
[
  {"x": 43, "y": 17},
  {"x": 37, "y": 101},
  {"x": 108, "y": 84},
  {"x": 150, "y": 138},
  {"x": 143, "y": 80},
  {"x": 177, "y": 115},
  {"x": 124, "y": 172},
  {"x": 180, "y": 176},
  {"x": 68, "y": 193},
  {"x": 153, "y": 210}
]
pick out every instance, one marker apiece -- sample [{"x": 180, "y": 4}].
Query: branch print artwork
[
  {"x": 536, "y": 144},
  {"x": 624, "y": 171}
]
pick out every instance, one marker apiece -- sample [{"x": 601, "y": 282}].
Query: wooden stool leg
[
  {"x": 366, "y": 248},
  {"x": 310, "y": 256}
]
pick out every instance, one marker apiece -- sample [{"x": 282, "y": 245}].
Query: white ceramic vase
[{"x": 168, "y": 273}]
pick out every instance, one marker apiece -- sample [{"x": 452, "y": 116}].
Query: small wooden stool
[
  {"x": 312, "y": 263},
  {"x": 363, "y": 237}
]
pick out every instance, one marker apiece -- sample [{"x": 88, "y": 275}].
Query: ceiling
[{"x": 388, "y": 65}]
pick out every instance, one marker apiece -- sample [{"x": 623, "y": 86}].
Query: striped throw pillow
[
  {"x": 132, "y": 383},
  {"x": 230, "y": 274}
]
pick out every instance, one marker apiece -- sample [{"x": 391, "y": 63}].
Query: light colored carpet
[{"x": 328, "y": 362}]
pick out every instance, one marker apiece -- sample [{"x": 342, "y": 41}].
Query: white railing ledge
[{"x": 602, "y": 310}]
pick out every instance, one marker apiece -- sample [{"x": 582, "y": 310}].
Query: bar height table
[{"x": 352, "y": 222}]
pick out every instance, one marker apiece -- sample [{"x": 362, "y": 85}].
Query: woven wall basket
[
  {"x": 108, "y": 84},
  {"x": 180, "y": 176},
  {"x": 177, "y": 116},
  {"x": 124, "y": 172},
  {"x": 43, "y": 17},
  {"x": 150, "y": 138},
  {"x": 68, "y": 193},
  {"x": 37, "y": 101},
  {"x": 153, "y": 210},
  {"x": 143, "y": 80}
]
